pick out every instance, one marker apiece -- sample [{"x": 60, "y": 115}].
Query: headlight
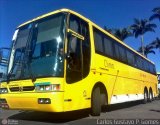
[
  {"x": 52, "y": 87},
  {"x": 3, "y": 90}
]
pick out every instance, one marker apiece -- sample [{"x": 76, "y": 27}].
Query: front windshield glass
[
  {"x": 18, "y": 52},
  {"x": 39, "y": 49}
]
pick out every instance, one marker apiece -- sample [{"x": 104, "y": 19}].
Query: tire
[
  {"x": 150, "y": 98},
  {"x": 103, "y": 99},
  {"x": 96, "y": 102},
  {"x": 145, "y": 97},
  {"x": 103, "y": 102}
]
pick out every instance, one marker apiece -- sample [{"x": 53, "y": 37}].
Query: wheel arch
[
  {"x": 150, "y": 90},
  {"x": 145, "y": 89},
  {"x": 103, "y": 89}
]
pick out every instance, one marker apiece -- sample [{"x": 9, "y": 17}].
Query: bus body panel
[
  {"x": 122, "y": 80},
  {"x": 28, "y": 100}
]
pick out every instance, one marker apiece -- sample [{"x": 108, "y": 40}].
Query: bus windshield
[{"x": 38, "y": 49}]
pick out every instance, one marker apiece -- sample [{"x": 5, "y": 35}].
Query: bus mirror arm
[
  {"x": 74, "y": 34},
  {"x": 68, "y": 56}
]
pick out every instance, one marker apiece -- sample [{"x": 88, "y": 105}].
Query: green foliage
[
  {"x": 156, "y": 43},
  {"x": 156, "y": 14},
  {"x": 147, "y": 49},
  {"x": 121, "y": 34},
  {"x": 140, "y": 27},
  {"x": 108, "y": 29}
]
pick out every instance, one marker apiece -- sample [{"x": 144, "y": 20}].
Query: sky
[{"x": 110, "y": 13}]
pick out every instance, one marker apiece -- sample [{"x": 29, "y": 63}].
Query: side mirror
[
  {"x": 1, "y": 75},
  {"x": 4, "y": 55},
  {"x": 1, "y": 55}
]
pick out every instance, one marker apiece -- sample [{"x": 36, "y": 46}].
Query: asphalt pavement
[{"x": 125, "y": 113}]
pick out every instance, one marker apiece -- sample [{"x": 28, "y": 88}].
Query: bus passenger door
[{"x": 77, "y": 64}]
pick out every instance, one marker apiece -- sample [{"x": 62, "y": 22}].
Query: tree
[
  {"x": 156, "y": 43},
  {"x": 108, "y": 29},
  {"x": 140, "y": 27},
  {"x": 147, "y": 49},
  {"x": 156, "y": 14},
  {"x": 122, "y": 34}
]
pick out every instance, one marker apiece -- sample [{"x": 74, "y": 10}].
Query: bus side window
[
  {"x": 130, "y": 58},
  {"x": 74, "y": 65},
  {"x": 122, "y": 52},
  {"x": 117, "y": 55},
  {"x": 108, "y": 46},
  {"x": 158, "y": 77},
  {"x": 74, "y": 24},
  {"x": 98, "y": 41},
  {"x": 86, "y": 50}
]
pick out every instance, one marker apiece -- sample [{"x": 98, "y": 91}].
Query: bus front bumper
[{"x": 47, "y": 102}]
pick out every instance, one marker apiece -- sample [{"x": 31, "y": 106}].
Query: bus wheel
[
  {"x": 96, "y": 102},
  {"x": 145, "y": 97},
  {"x": 150, "y": 96}
]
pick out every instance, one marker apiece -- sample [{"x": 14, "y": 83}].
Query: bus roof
[
  {"x": 79, "y": 15},
  {"x": 158, "y": 73}
]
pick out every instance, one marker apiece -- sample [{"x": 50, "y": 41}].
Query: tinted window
[
  {"x": 154, "y": 69},
  {"x": 130, "y": 58},
  {"x": 117, "y": 55},
  {"x": 145, "y": 65},
  {"x": 158, "y": 77},
  {"x": 151, "y": 68},
  {"x": 139, "y": 62},
  {"x": 74, "y": 61},
  {"x": 98, "y": 41},
  {"x": 108, "y": 46},
  {"x": 85, "y": 48},
  {"x": 78, "y": 62},
  {"x": 22, "y": 36},
  {"x": 148, "y": 69},
  {"x": 74, "y": 24},
  {"x": 122, "y": 53}
]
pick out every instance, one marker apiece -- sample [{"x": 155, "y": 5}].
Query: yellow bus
[{"x": 61, "y": 61}]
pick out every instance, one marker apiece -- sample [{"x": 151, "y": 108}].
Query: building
[{"x": 4, "y": 55}]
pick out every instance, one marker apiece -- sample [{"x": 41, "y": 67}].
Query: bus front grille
[
  {"x": 14, "y": 89},
  {"x": 25, "y": 88},
  {"x": 28, "y": 88}
]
